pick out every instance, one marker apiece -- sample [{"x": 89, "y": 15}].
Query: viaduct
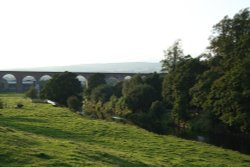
[{"x": 18, "y": 78}]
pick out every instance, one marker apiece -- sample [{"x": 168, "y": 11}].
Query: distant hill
[{"x": 134, "y": 67}]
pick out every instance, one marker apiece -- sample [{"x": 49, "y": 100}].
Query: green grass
[{"x": 43, "y": 135}]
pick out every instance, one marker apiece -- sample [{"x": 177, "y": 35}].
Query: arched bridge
[{"x": 19, "y": 81}]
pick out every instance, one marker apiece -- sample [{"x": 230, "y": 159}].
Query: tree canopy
[
  {"x": 61, "y": 87},
  {"x": 172, "y": 56}
]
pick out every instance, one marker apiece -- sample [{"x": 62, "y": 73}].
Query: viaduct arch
[{"x": 38, "y": 76}]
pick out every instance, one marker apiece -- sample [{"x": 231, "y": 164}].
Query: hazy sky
[{"x": 58, "y": 32}]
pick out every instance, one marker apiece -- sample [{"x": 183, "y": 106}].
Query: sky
[{"x": 37, "y": 33}]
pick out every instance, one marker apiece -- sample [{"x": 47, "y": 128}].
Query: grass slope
[{"x": 42, "y": 135}]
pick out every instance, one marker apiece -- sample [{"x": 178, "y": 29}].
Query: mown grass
[{"x": 43, "y": 135}]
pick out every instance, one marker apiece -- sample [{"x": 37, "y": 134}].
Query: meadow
[{"x": 42, "y": 135}]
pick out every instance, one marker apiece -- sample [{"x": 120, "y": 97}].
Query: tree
[
  {"x": 129, "y": 84},
  {"x": 156, "y": 115},
  {"x": 117, "y": 89},
  {"x": 101, "y": 93},
  {"x": 223, "y": 89},
  {"x": 61, "y": 87},
  {"x": 172, "y": 56},
  {"x": 94, "y": 81},
  {"x": 155, "y": 80},
  {"x": 230, "y": 96},
  {"x": 32, "y": 93},
  {"x": 74, "y": 103},
  {"x": 140, "y": 98},
  {"x": 157, "y": 109},
  {"x": 231, "y": 40},
  {"x": 176, "y": 87}
]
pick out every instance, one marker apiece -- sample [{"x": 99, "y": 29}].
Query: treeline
[{"x": 208, "y": 93}]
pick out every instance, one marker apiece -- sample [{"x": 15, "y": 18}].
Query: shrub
[
  {"x": 32, "y": 93},
  {"x": 74, "y": 103},
  {"x": 101, "y": 93},
  {"x": 140, "y": 98},
  {"x": 61, "y": 87}
]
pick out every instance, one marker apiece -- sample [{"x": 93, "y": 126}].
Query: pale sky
[{"x": 66, "y": 32}]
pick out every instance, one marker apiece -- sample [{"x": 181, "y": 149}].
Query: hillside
[
  {"x": 133, "y": 67},
  {"x": 42, "y": 135}
]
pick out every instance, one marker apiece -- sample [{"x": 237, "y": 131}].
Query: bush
[
  {"x": 74, "y": 103},
  {"x": 157, "y": 109},
  {"x": 61, "y": 87},
  {"x": 101, "y": 93},
  {"x": 32, "y": 93},
  {"x": 140, "y": 98}
]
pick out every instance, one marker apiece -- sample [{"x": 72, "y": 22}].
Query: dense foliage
[
  {"x": 210, "y": 91},
  {"x": 32, "y": 93},
  {"x": 74, "y": 103},
  {"x": 61, "y": 87}
]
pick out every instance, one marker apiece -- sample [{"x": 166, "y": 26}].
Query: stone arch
[
  {"x": 27, "y": 82},
  {"x": 127, "y": 77},
  {"x": 8, "y": 83},
  {"x": 83, "y": 80},
  {"x": 45, "y": 78},
  {"x": 112, "y": 81}
]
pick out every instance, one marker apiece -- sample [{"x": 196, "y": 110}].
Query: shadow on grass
[
  {"x": 19, "y": 124},
  {"x": 21, "y": 119},
  {"x": 111, "y": 159},
  {"x": 16, "y": 123}
]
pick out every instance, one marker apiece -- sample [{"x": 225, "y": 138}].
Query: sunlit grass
[{"x": 43, "y": 135}]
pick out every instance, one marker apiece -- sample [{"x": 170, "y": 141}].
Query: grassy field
[{"x": 42, "y": 135}]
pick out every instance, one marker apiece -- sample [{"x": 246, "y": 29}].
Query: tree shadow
[
  {"x": 20, "y": 124},
  {"x": 114, "y": 160},
  {"x": 22, "y": 119}
]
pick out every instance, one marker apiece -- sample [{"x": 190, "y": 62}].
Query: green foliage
[
  {"x": 129, "y": 84},
  {"x": 94, "y": 81},
  {"x": 202, "y": 88},
  {"x": 155, "y": 80},
  {"x": 101, "y": 93},
  {"x": 224, "y": 88},
  {"x": 229, "y": 97},
  {"x": 117, "y": 89},
  {"x": 157, "y": 109},
  {"x": 157, "y": 117},
  {"x": 167, "y": 90},
  {"x": 32, "y": 93},
  {"x": 176, "y": 86},
  {"x": 114, "y": 107},
  {"x": 203, "y": 123},
  {"x": 231, "y": 43},
  {"x": 74, "y": 103},
  {"x": 42, "y": 83},
  {"x": 172, "y": 55},
  {"x": 62, "y": 86},
  {"x": 140, "y": 98}
]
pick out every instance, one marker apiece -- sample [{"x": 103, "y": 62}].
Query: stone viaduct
[{"x": 37, "y": 75}]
